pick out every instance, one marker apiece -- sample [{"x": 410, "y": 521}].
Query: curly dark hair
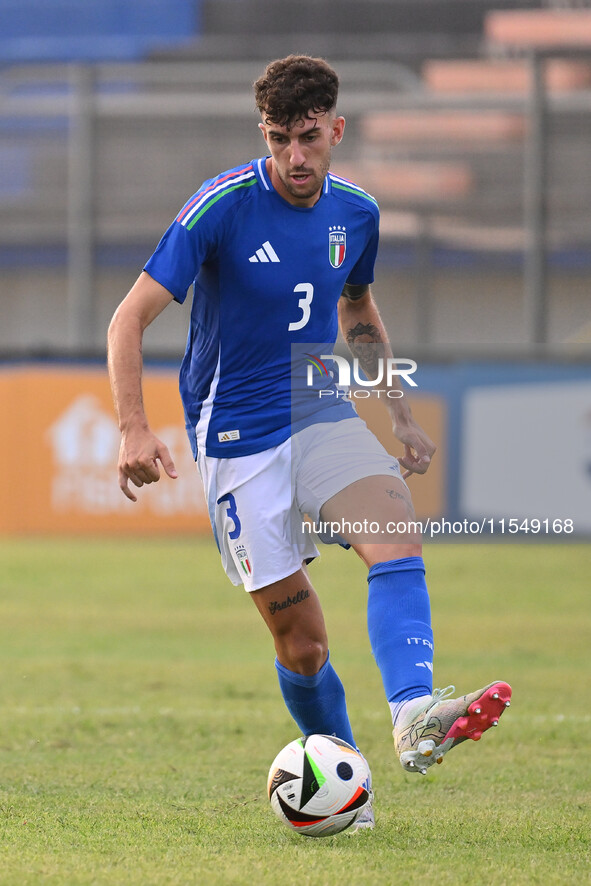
[{"x": 294, "y": 88}]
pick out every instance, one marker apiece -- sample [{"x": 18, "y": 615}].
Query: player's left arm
[{"x": 363, "y": 330}]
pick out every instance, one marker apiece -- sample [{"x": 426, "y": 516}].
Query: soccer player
[{"x": 280, "y": 251}]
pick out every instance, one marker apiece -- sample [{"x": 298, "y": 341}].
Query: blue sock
[
  {"x": 399, "y": 626},
  {"x": 317, "y": 702}
]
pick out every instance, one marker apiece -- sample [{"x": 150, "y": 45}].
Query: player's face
[{"x": 300, "y": 155}]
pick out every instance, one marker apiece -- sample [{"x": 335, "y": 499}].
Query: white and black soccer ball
[{"x": 318, "y": 785}]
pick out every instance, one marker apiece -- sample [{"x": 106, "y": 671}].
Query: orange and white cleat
[{"x": 428, "y": 727}]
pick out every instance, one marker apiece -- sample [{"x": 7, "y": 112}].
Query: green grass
[{"x": 139, "y": 713}]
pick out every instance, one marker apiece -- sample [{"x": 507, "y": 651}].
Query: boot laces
[{"x": 440, "y": 695}]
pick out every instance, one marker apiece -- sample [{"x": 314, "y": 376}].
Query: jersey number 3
[{"x": 304, "y": 305}]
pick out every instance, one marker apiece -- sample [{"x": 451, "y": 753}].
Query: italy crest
[
  {"x": 337, "y": 245},
  {"x": 243, "y": 559}
]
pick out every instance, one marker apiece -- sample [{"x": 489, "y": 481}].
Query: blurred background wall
[
  {"x": 112, "y": 113},
  {"x": 469, "y": 120}
]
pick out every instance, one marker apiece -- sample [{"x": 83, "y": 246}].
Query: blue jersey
[{"x": 267, "y": 278}]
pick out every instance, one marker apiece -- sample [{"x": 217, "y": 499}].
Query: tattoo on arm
[
  {"x": 354, "y": 291},
  {"x": 365, "y": 343},
  {"x": 365, "y": 330}
]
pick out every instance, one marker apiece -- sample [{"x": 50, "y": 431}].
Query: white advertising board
[{"x": 526, "y": 453}]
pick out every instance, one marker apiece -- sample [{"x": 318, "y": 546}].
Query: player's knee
[
  {"x": 372, "y": 554},
  {"x": 302, "y": 654}
]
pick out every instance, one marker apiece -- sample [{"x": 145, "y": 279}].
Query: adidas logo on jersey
[
  {"x": 228, "y": 436},
  {"x": 265, "y": 253}
]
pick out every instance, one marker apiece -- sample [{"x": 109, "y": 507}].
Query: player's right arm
[{"x": 140, "y": 449}]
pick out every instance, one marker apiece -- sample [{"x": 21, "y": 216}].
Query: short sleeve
[
  {"x": 179, "y": 255},
  {"x": 363, "y": 271}
]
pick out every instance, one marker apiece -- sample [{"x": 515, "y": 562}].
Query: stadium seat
[
  {"x": 93, "y": 30},
  {"x": 539, "y": 28},
  {"x": 470, "y": 128},
  {"x": 506, "y": 76},
  {"x": 411, "y": 182}
]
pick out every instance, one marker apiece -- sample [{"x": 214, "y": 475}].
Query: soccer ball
[{"x": 318, "y": 785}]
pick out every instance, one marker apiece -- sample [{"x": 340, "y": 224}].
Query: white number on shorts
[{"x": 304, "y": 305}]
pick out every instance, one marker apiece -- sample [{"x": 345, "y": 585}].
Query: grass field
[{"x": 139, "y": 713}]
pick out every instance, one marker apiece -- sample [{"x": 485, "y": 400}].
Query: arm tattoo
[
  {"x": 365, "y": 329},
  {"x": 366, "y": 344},
  {"x": 354, "y": 291}
]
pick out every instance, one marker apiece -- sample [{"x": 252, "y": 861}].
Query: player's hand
[
  {"x": 139, "y": 455},
  {"x": 418, "y": 447}
]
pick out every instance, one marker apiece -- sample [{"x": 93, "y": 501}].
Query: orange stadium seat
[
  {"x": 539, "y": 28},
  {"x": 469, "y": 127},
  {"x": 409, "y": 181},
  {"x": 508, "y": 76}
]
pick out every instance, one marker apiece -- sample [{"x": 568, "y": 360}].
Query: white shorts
[{"x": 257, "y": 502}]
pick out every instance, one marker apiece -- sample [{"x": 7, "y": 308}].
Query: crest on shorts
[
  {"x": 337, "y": 245},
  {"x": 243, "y": 559}
]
